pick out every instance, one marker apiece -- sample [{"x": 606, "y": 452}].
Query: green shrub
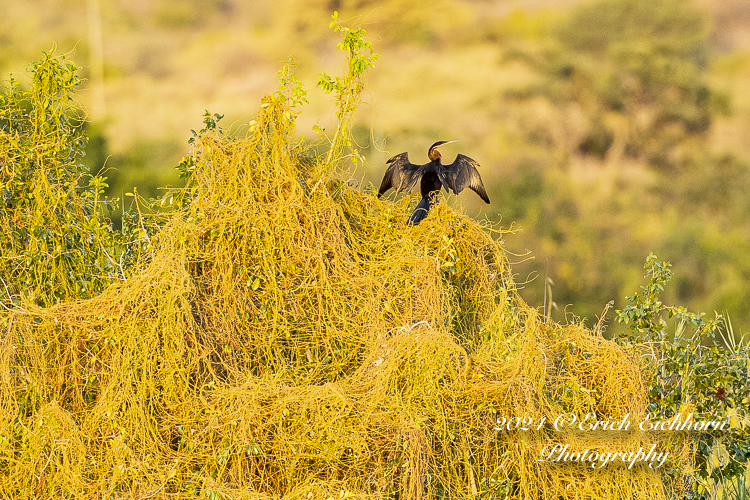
[
  {"x": 57, "y": 242},
  {"x": 691, "y": 373},
  {"x": 55, "y": 245}
]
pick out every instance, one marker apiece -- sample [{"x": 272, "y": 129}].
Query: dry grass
[{"x": 298, "y": 340}]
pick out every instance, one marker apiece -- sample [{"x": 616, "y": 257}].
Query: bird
[{"x": 402, "y": 175}]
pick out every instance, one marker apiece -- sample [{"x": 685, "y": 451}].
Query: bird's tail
[{"x": 420, "y": 212}]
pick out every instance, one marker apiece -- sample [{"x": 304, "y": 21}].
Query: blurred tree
[
  {"x": 623, "y": 108},
  {"x": 636, "y": 70}
]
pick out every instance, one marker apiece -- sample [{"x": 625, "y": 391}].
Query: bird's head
[{"x": 433, "y": 153}]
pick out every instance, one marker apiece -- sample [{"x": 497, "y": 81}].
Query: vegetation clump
[{"x": 290, "y": 336}]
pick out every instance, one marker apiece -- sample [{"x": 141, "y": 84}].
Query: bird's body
[{"x": 403, "y": 175}]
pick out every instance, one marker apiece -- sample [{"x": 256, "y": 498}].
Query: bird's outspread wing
[
  {"x": 462, "y": 174},
  {"x": 400, "y": 175}
]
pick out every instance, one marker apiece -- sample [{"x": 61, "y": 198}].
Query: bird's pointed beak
[{"x": 446, "y": 142}]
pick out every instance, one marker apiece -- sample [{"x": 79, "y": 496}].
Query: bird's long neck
[{"x": 434, "y": 155}]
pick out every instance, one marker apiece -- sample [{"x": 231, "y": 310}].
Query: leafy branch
[
  {"x": 360, "y": 56},
  {"x": 646, "y": 311}
]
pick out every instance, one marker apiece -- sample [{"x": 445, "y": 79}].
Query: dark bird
[{"x": 402, "y": 175}]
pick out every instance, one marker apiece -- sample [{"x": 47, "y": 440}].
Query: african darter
[{"x": 402, "y": 175}]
